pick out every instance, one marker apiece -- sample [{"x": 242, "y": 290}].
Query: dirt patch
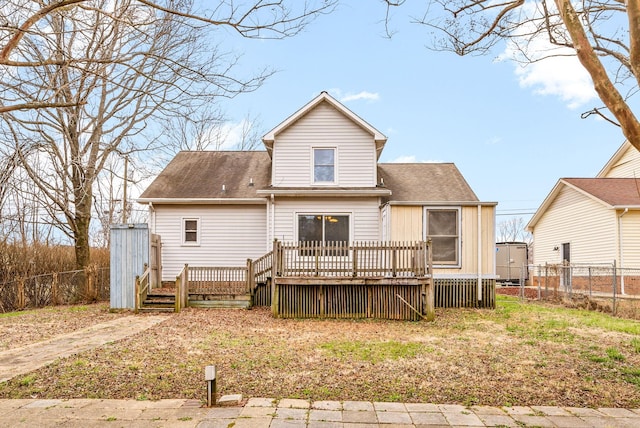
[{"x": 518, "y": 354}]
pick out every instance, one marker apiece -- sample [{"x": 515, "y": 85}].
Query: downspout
[
  {"x": 152, "y": 218},
  {"x": 273, "y": 218},
  {"x": 620, "y": 250},
  {"x": 479, "y": 252}
]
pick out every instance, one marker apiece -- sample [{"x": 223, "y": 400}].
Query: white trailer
[{"x": 511, "y": 262}]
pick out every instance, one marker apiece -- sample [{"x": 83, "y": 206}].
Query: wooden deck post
[
  {"x": 251, "y": 280},
  {"x": 136, "y": 308}
]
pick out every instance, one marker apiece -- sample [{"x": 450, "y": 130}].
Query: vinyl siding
[
  {"x": 469, "y": 239},
  {"x": 586, "y": 224},
  {"x": 630, "y": 231},
  {"x": 229, "y": 235},
  {"x": 364, "y": 216},
  {"x": 628, "y": 166},
  {"x": 324, "y": 126},
  {"x": 407, "y": 224}
]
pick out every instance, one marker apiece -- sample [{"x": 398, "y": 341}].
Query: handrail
[
  {"x": 182, "y": 289},
  {"x": 142, "y": 288}
]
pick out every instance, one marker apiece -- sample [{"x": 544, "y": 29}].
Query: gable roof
[
  {"x": 613, "y": 193},
  {"x": 622, "y": 150},
  {"x": 269, "y": 137},
  {"x": 199, "y": 176},
  {"x": 425, "y": 182}
]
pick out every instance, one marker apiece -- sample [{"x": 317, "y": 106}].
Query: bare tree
[
  {"x": 105, "y": 69},
  {"x": 603, "y": 34},
  {"x": 513, "y": 230},
  {"x": 251, "y": 19}
]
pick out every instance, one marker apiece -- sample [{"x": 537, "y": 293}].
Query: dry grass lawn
[{"x": 518, "y": 354}]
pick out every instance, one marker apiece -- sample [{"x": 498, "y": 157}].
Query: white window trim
[
  {"x": 299, "y": 213},
  {"x": 425, "y": 216},
  {"x": 183, "y": 241},
  {"x": 335, "y": 167}
]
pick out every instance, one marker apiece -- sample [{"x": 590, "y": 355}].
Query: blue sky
[{"x": 512, "y": 132}]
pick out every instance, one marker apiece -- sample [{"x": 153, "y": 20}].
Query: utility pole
[{"x": 124, "y": 195}]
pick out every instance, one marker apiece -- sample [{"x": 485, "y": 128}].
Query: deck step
[
  {"x": 155, "y": 309},
  {"x": 220, "y": 304}
]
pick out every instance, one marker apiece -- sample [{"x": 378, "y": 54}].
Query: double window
[
  {"x": 190, "y": 231},
  {"x": 324, "y": 165},
  {"x": 443, "y": 227}
]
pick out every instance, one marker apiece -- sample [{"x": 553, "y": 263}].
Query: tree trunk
[
  {"x": 602, "y": 84},
  {"x": 81, "y": 228}
]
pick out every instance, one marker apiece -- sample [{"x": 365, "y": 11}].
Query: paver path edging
[{"x": 18, "y": 361}]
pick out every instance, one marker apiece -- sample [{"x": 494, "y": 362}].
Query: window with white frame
[
  {"x": 191, "y": 231},
  {"x": 324, "y": 165},
  {"x": 443, "y": 227},
  {"x": 323, "y": 228}
]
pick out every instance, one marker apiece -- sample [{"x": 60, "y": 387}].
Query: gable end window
[
  {"x": 443, "y": 227},
  {"x": 324, "y": 165},
  {"x": 190, "y": 231}
]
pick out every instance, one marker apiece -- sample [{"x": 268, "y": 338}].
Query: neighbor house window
[
  {"x": 191, "y": 231},
  {"x": 324, "y": 165},
  {"x": 323, "y": 228},
  {"x": 443, "y": 228}
]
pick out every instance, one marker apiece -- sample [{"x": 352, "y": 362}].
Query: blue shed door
[{"x": 128, "y": 255}]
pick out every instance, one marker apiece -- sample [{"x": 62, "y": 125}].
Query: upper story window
[
  {"x": 191, "y": 231},
  {"x": 443, "y": 227},
  {"x": 324, "y": 165}
]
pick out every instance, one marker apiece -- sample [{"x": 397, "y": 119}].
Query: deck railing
[
  {"x": 142, "y": 288},
  {"x": 352, "y": 260},
  {"x": 218, "y": 280}
]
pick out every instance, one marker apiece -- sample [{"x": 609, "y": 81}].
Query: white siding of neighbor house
[
  {"x": 628, "y": 166},
  {"x": 364, "y": 216},
  {"x": 630, "y": 231},
  {"x": 324, "y": 126},
  {"x": 588, "y": 225},
  {"x": 407, "y": 224},
  {"x": 229, "y": 235}
]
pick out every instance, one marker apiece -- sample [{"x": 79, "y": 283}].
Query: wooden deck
[{"x": 390, "y": 280}]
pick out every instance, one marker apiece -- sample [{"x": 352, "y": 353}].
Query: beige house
[
  {"x": 319, "y": 179},
  {"x": 592, "y": 220}
]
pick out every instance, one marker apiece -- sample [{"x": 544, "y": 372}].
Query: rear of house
[{"x": 319, "y": 180}]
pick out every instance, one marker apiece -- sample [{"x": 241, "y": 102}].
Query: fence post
[
  {"x": 54, "y": 288},
  {"x": 615, "y": 288},
  {"x": 21, "y": 297}
]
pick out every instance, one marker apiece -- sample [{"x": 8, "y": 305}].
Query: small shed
[{"x": 129, "y": 253}]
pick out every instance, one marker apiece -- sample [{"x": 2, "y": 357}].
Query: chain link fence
[
  {"x": 604, "y": 287},
  {"x": 61, "y": 288}
]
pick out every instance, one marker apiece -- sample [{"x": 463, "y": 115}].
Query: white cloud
[
  {"x": 549, "y": 70},
  {"x": 345, "y": 97},
  {"x": 411, "y": 159}
]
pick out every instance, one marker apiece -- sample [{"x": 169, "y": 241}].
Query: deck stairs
[{"x": 163, "y": 300}]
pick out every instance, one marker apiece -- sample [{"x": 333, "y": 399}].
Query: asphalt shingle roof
[
  {"x": 202, "y": 174},
  {"x": 613, "y": 191},
  {"x": 422, "y": 182}
]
